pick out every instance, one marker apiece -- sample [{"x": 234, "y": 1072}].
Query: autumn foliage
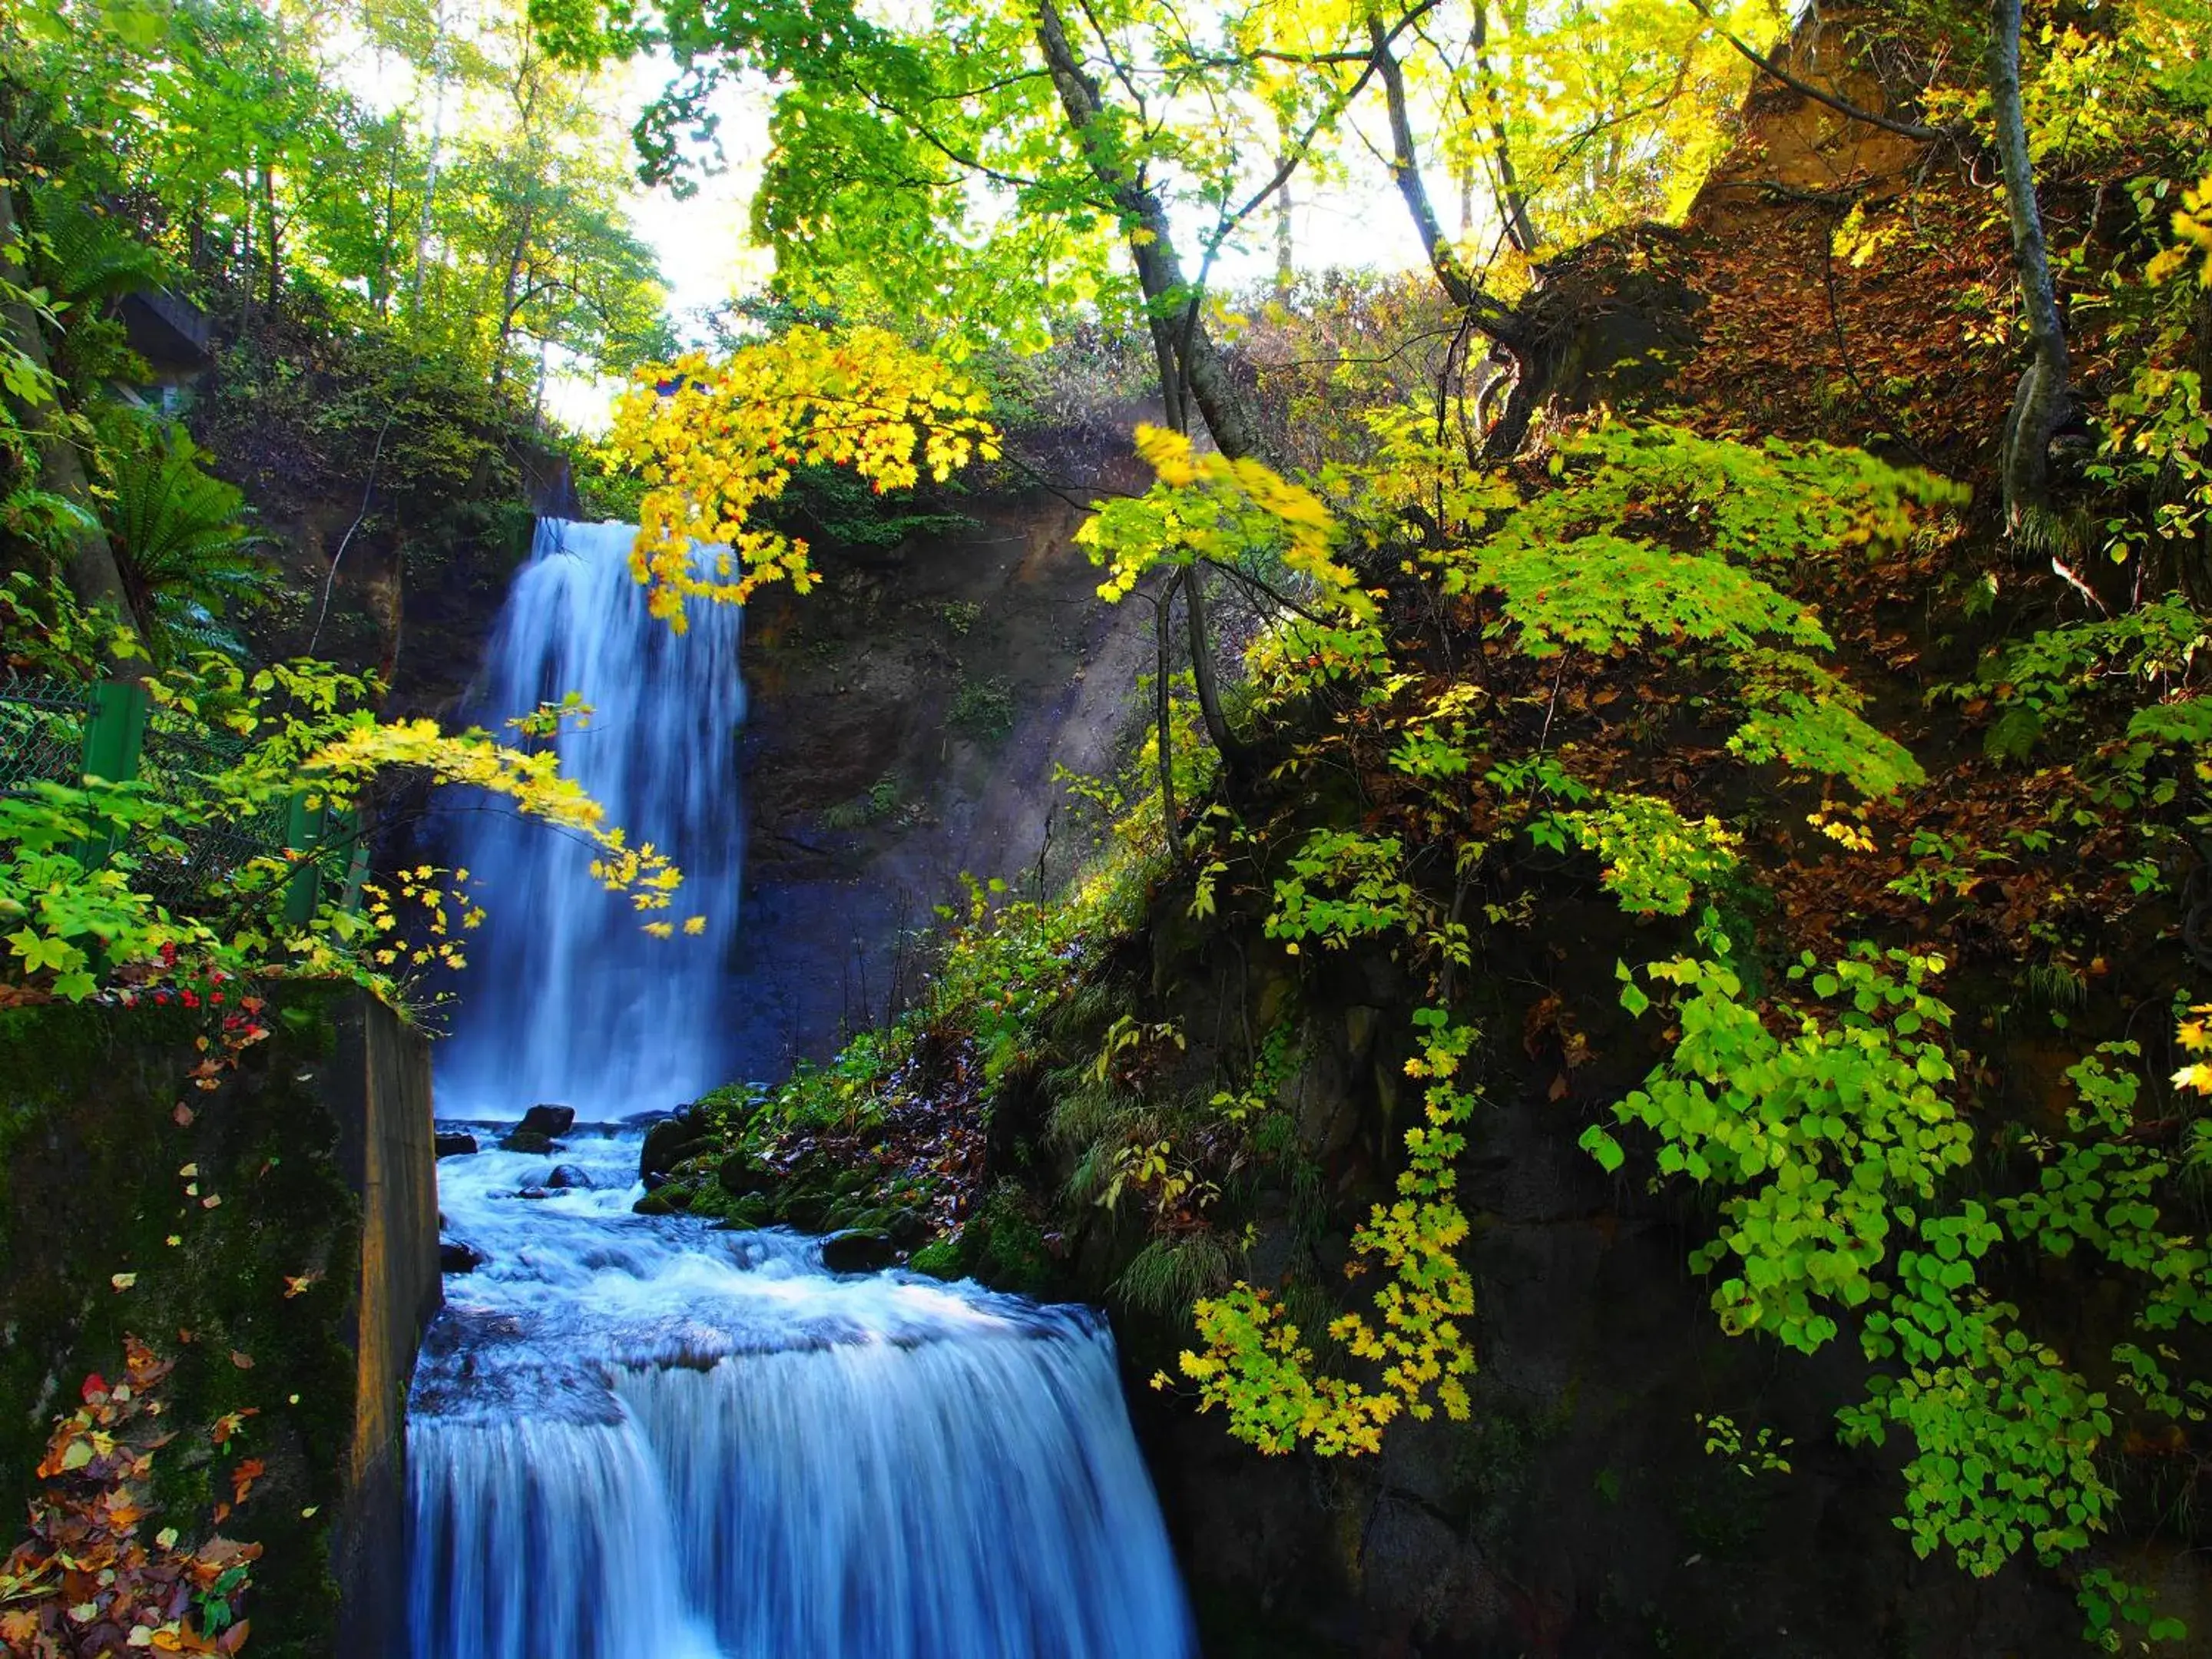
[
  {"x": 717, "y": 441},
  {"x": 86, "y": 1580}
]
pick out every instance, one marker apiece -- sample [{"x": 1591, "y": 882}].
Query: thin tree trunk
[
  {"x": 1234, "y": 755},
  {"x": 1490, "y": 314},
  {"x": 1192, "y": 370},
  {"x": 507, "y": 303},
  {"x": 1534, "y": 359},
  {"x": 249, "y": 247},
  {"x": 1285, "y": 261},
  {"x": 431, "y": 162},
  {"x": 1162, "y": 608},
  {"x": 275, "y": 239},
  {"x": 90, "y": 568},
  {"x": 1172, "y": 403},
  {"x": 1221, "y": 403},
  {"x": 2042, "y": 400},
  {"x": 1512, "y": 200}
]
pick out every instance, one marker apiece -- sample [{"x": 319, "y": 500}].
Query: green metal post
[
  {"x": 114, "y": 734},
  {"x": 115, "y": 729},
  {"x": 304, "y": 824},
  {"x": 357, "y": 863}
]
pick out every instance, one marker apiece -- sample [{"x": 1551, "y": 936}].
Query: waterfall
[
  {"x": 643, "y": 1438},
  {"x": 568, "y": 999}
]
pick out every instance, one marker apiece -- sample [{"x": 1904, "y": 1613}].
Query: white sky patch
[{"x": 705, "y": 254}]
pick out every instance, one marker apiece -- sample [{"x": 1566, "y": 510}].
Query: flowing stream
[{"x": 635, "y": 1437}]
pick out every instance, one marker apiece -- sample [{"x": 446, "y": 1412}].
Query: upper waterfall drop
[{"x": 567, "y": 998}]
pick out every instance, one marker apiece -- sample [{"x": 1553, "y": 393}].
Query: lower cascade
[
  {"x": 643, "y": 1437},
  {"x": 638, "y": 1438}
]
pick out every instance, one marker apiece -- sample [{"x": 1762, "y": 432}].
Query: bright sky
[{"x": 706, "y": 255}]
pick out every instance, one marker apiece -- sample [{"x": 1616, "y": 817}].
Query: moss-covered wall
[{"x": 227, "y": 1235}]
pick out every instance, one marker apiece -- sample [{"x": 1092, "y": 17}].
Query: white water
[
  {"x": 568, "y": 998},
  {"x": 636, "y": 1437}
]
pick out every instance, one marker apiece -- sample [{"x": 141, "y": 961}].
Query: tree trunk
[
  {"x": 90, "y": 569},
  {"x": 1163, "y": 610},
  {"x": 1192, "y": 370},
  {"x": 507, "y": 303},
  {"x": 2042, "y": 401},
  {"x": 1489, "y": 314},
  {"x": 275, "y": 238},
  {"x": 248, "y": 249},
  {"x": 1221, "y": 403},
  {"x": 1512, "y": 200},
  {"x": 1514, "y": 332},
  {"x": 1234, "y": 758},
  {"x": 430, "y": 164}
]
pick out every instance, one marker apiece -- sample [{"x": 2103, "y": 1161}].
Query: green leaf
[{"x": 1603, "y": 1147}]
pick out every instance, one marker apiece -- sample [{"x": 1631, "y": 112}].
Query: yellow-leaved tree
[{"x": 716, "y": 440}]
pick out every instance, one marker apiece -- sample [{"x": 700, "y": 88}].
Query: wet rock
[
  {"x": 549, "y": 1120},
  {"x": 456, "y": 1145},
  {"x": 808, "y": 1212},
  {"x": 533, "y": 1192},
  {"x": 653, "y": 1180},
  {"x": 527, "y": 1140},
  {"x": 1327, "y": 1116},
  {"x": 457, "y": 1256},
  {"x": 567, "y": 1177},
  {"x": 667, "y": 1143},
  {"x": 740, "y": 1177},
  {"x": 907, "y": 1228},
  {"x": 655, "y": 1203},
  {"x": 857, "y": 1250}
]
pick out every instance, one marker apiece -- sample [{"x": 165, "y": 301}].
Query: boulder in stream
[
  {"x": 667, "y": 1143},
  {"x": 548, "y": 1120},
  {"x": 526, "y": 1140},
  {"x": 567, "y": 1177},
  {"x": 456, "y": 1145},
  {"x": 457, "y": 1256},
  {"x": 857, "y": 1250}
]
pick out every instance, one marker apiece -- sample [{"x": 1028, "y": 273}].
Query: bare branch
[{"x": 1841, "y": 106}]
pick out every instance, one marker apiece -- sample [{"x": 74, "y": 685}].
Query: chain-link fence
[
  {"x": 63, "y": 731},
  {"x": 42, "y": 731},
  {"x": 179, "y": 762}
]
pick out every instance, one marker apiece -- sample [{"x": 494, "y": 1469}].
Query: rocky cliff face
[{"x": 904, "y": 726}]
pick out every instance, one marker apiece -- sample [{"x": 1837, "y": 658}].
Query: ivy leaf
[{"x": 1603, "y": 1147}]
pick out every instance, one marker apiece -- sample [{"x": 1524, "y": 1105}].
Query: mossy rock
[
  {"x": 809, "y": 1212},
  {"x": 740, "y": 1177},
  {"x": 941, "y": 1258}
]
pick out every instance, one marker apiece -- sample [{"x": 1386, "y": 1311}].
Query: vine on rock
[{"x": 1257, "y": 1368}]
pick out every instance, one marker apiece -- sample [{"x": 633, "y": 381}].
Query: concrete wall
[{"x": 379, "y": 1090}]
